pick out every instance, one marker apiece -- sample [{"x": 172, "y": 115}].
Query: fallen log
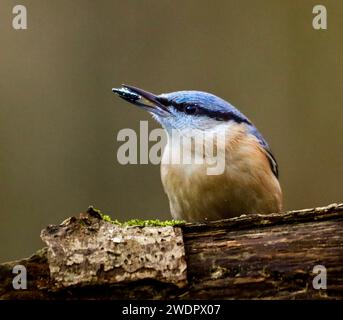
[{"x": 273, "y": 256}]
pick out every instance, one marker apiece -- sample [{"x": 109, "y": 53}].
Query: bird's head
[{"x": 184, "y": 110}]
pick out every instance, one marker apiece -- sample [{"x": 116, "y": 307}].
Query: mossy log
[{"x": 247, "y": 257}]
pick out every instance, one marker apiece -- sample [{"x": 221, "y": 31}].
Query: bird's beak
[{"x": 142, "y": 98}]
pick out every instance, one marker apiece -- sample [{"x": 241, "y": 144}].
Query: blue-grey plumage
[{"x": 249, "y": 182}]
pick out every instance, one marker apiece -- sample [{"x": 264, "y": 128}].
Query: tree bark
[{"x": 248, "y": 257}]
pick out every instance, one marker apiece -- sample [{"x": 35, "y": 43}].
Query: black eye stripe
[
  {"x": 196, "y": 109},
  {"x": 217, "y": 115},
  {"x": 164, "y": 101},
  {"x": 184, "y": 107}
]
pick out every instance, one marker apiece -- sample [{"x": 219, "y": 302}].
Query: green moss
[
  {"x": 107, "y": 218},
  {"x": 153, "y": 223},
  {"x": 138, "y": 222}
]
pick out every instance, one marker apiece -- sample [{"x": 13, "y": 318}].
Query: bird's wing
[
  {"x": 272, "y": 161},
  {"x": 266, "y": 149}
]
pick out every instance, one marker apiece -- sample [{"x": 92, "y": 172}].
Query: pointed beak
[{"x": 143, "y": 99}]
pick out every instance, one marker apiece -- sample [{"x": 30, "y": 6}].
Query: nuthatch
[{"x": 249, "y": 183}]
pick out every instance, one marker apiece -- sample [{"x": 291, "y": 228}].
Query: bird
[{"x": 249, "y": 183}]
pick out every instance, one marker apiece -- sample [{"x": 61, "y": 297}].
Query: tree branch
[{"x": 251, "y": 256}]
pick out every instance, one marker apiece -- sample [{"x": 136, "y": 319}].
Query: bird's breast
[{"x": 246, "y": 185}]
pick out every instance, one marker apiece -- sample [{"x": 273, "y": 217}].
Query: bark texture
[
  {"x": 89, "y": 251},
  {"x": 254, "y": 256}
]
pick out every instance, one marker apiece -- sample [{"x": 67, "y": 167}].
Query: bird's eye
[{"x": 191, "y": 109}]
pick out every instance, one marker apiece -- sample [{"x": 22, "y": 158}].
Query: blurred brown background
[{"x": 59, "y": 118}]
